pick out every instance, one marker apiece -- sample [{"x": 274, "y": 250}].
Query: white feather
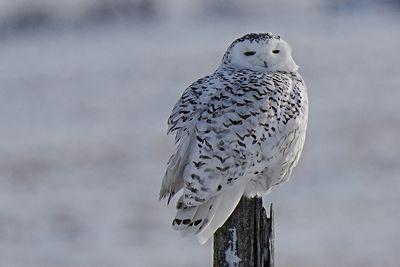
[{"x": 228, "y": 203}]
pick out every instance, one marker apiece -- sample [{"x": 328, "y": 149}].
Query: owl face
[{"x": 260, "y": 52}]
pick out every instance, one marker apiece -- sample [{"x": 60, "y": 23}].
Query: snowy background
[{"x": 85, "y": 90}]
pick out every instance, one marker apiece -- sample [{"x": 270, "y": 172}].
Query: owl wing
[
  {"x": 180, "y": 122},
  {"x": 235, "y": 133}
]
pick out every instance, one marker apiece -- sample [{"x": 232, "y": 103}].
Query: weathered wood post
[{"x": 247, "y": 237}]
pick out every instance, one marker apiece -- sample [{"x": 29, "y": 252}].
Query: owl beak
[{"x": 265, "y": 64}]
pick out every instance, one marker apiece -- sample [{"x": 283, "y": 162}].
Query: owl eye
[
  {"x": 250, "y": 53},
  {"x": 275, "y": 51}
]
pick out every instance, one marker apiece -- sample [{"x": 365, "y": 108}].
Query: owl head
[{"x": 260, "y": 52}]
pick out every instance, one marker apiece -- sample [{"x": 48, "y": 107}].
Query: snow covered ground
[{"x": 83, "y": 145}]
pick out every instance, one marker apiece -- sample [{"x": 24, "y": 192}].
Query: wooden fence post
[{"x": 247, "y": 237}]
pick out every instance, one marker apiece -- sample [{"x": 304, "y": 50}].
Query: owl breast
[{"x": 261, "y": 121}]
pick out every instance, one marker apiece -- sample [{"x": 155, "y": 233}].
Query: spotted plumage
[{"x": 239, "y": 131}]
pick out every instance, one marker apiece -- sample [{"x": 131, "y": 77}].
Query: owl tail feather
[{"x": 205, "y": 219}]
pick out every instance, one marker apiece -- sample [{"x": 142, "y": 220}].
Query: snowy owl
[{"x": 239, "y": 131}]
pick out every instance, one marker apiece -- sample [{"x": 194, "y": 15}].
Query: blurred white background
[{"x": 86, "y": 87}]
